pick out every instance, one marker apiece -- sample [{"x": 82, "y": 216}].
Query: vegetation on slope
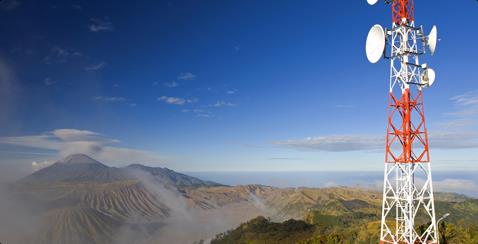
[
  {"x": 353, "y": 221},
  {"x": 262, "y": 230}
]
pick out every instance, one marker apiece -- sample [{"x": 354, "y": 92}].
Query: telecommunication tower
[{"x": 408, "y": 210}]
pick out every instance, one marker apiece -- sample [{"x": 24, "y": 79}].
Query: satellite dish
[
  {"x": 372, "y": 2},
  {"x": 375, "y": 44},
  {"x": 431, "y": 76},
  {"x": 432, "y": 40},
  {"x": 428, "y": 77}
]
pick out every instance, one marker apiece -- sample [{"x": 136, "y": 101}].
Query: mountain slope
[
  {"x": 262, "y": 230},
  {"x": 348, "y": 215},
  {"x": 77, "y": 225},
  {"x": 81, "y": 200},
  {"x": 82, "y": 168},
  {"x": 167, "y": 176},
  {"x": 77, "y": 167}
]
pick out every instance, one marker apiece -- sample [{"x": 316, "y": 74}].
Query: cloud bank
[
  {"x": 69, "y": 141},
  {"x": 98, "y": 25},
  {"x": 347, "y": 143},
  {"x": 175, "y": 100},
  {"x": 458, "y": 132},
  {"x": 186, "y": 76},
  {"x": 96, "y": 67}
]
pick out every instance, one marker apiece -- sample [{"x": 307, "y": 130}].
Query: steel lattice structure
[{"x": 408, "y": 211}]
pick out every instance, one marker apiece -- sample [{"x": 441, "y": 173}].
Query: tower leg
[{"x": 408, "y": 210}]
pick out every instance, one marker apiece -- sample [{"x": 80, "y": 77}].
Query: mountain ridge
[
  {"x": 79, "y": 158},
  {"x": 83, "y": 168},
  {"x": 79, "y": 195}
]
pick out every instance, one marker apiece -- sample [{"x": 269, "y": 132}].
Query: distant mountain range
[
  {"x": 80, "y": 200},
  {"x": 82, "y": 168}
]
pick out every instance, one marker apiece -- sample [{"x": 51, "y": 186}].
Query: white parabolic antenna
[
  {"x": 372, "y": 2},
  {"x": 375, "y": 44},
  {"x": 432, "y": 40},
  {"x": 428, "y": 77}
]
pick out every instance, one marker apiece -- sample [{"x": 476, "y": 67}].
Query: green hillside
[{"x": 353, "y": 221}]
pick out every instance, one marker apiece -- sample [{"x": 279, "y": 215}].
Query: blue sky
[{"x": 223, "y": 85}]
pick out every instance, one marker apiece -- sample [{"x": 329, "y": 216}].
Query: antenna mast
[{"x": 408, "y": 210}]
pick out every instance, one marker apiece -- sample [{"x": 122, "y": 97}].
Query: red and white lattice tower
[{"x": 408, "y": 210}]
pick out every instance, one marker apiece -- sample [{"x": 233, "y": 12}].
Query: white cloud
[
  {"x": 465, "y": 116},
  {"x": 44, "y": 141},
  {"x": 96, "y": 67},
  {"x": 220, "y": 104},
  {"x": 231, "y": 92},
  {"x": 186, "y": 76},
  {"x": 172, "y": 100},
  {"x": 60, "y": 52},
  {"x": 344, "y": 143},
  {"x": 58, "y": 55},
  {"x": 176, "y": 100},
  {"x": 86, "y": 147},
  {"x": 48, "y": 81},
  {"x": 98, "y": 25},
  {"x": 336, "y": 143},
  {"x": 466, "y": 106},
  {"x": 468, "y": 98},
  {"x": 41, "y": 165},
  {"x": 459, "y": 132},
  {"x": 129, "y": 155},
  {"x": 61, "y": 55},
  {"x": 74, "y": 134},
  {"x": 69, "y": 141},
  {"x": 171, "y": 84},
  {"x": 456, "y": 185},
  {"x": 198, "y": 112},
  {"x": 457, "y": 123},
  {"x": 202, "y": 113},
  {"x": 109, "y": 99},
  {"x": 454, "y": 140}
]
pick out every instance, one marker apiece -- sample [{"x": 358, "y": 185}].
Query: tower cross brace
[{"x": 408, "y": 210}]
